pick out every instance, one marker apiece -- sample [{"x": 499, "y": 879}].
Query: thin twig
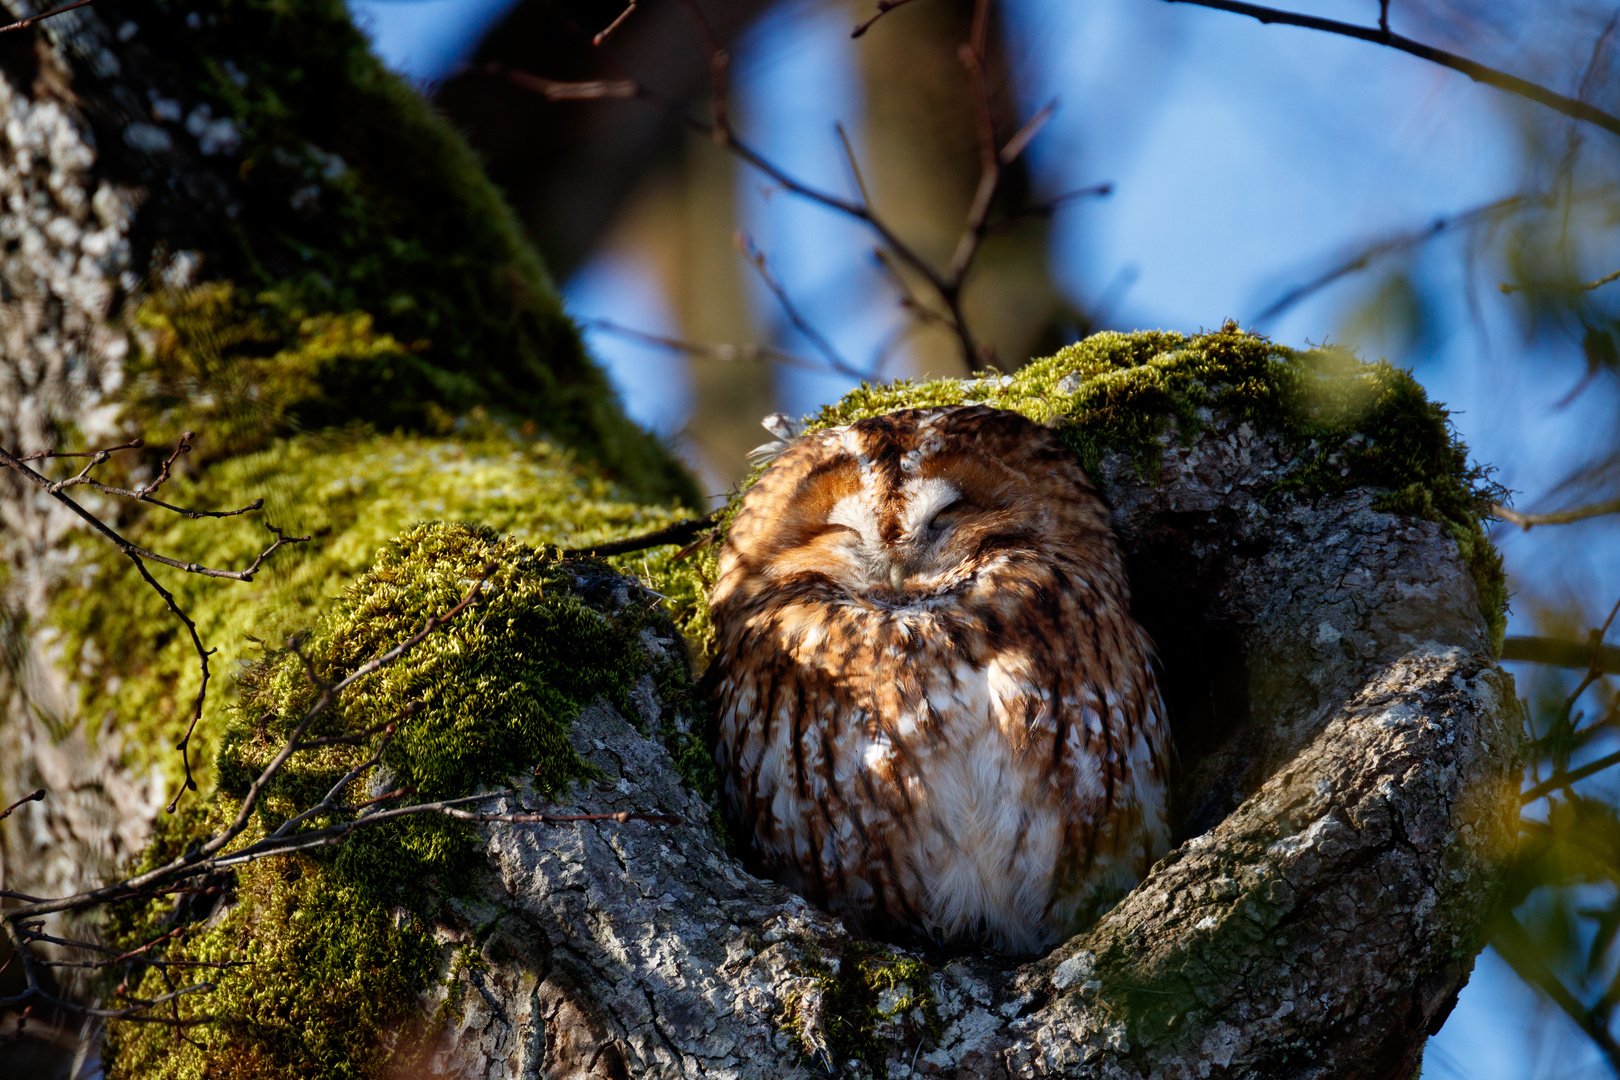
[
  {"x": 23, "y": 24},
  {"x": 34, "y": 796},
  {"x": 719, "y": 71},
  {"x": 133, "y": 444},
  {"x": 1026, "y": 134},
  {"x": 607, "y": 32},
  {"x": 135, "y": 551},
  {"x": 1586, "y": 286},
  {"x": 1391, "y": 245},
  {"x": 206, "y": 858},
  {"x": 745, "y": 246},
  {"x": 723, "y": 352},
  {"x": 883, "y": 8},
  {"x": 1561, "y": 517},
  {"x": 854, "y": 165},
  {"x": 1571, "y": 107}
]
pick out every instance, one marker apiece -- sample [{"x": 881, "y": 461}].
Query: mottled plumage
[{"x": 936, "y": 714}]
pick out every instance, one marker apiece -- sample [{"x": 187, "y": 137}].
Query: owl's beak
[{"x": 897, "y": 576}]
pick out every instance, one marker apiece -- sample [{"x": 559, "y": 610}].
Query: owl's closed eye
[{"x": 936, "y": 714}]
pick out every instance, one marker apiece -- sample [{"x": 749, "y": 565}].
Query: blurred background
[{"x": 1315, "y": 188}]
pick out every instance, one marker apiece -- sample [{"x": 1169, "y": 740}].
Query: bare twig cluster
[
  {"x": 941, "y": 300},
  {"x": 140, "y": 556}
]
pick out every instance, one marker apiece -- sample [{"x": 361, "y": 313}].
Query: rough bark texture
[{"x": 1321, "y": 929}]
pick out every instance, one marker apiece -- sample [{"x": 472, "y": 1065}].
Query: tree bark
[{"x": 1321, "y": 928}]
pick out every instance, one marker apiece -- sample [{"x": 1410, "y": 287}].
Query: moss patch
[
  {"x": 339, "y": 941},
  {"x": 865, "y": 999},
  {"x": 352, "y": 492}
]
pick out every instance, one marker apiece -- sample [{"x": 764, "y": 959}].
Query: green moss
[
  {"x": 490, "y": 695},
  {"x": 358, "y": 207},
  {"x": 1350, "y": 424},
  {"x": 865, "y": 996},
  {"x": 351, "y": 492}
]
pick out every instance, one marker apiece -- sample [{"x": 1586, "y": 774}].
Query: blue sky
[{"x": 1243, "y": 157}]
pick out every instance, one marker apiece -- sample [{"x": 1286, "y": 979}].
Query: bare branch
[
  {"x": 745, "y": 246},
  {"x": 1561, "y": 517},
  {"x": 1570, "y": 107},
  {"x": 34, "y": 796},
  {"x": 719, "y": 72},
  {"x": 1392, "y": 245},
  {"x": 1026, "y": 134},
  {"x": 681, "y": 532},
  {"x": 854, "y": 165},
  {"x": 133, "y": 444},
  {"x": 723, "y": 352},
  {"x": 23, "y": 24},
  {"x": 135, "y": 551},
  {"x": 1565, "y": 654},
  {"x": 883, "y": 8},
  {"x": 1563, "y": 779},
  {"x": 1515, "y": 946},
  {"x": 607, "y": 32},
  {"x": 552, "y": 90},
  {"x": 1585, "y": 286}
]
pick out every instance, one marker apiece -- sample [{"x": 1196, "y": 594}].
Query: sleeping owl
[{"x": 936, "y": 714}]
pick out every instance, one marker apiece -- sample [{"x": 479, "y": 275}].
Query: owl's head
[{"x": 900, "y": 508}]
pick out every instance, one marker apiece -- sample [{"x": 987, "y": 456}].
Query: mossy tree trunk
[{"x": 230, "y": 218}]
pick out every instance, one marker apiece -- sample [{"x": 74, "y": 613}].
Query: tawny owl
[{"x": 936, "y": 715}]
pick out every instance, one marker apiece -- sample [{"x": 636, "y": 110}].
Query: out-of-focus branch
[
  {"x": 723, "y": 352},
  {"x": 23, "y": 24},
  {"x": 1571, "y": 107},
  {"x": 756, "y": 258},
  {"x": 1561, "y": 737},
  {"x": 607, "y": 31},
  {"x": 883, "y": 8},
  {"x": 1515, "y": 945},
  {"x": 1556, "y": 653},
  {"x": 553, "y": 90},
  {"x": 1394, "y": 245},
  {"x": 33, "y": 796},
  {"x": 946, "y": 284},
  {"x": 1560, "y": 517},
  {"x": 1586, "y": 286}
]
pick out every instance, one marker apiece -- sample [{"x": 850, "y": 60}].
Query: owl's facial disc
[{"x": 899, "y": 538}]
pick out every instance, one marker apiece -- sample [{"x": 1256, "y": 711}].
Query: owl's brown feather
[{"x": 936, "y": 714}]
